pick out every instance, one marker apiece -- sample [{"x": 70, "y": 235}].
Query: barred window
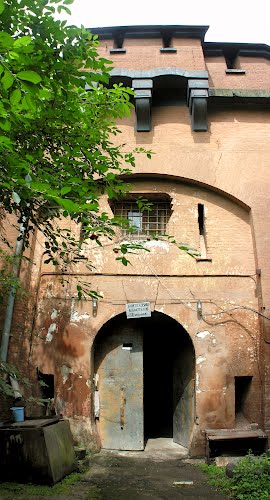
[{"x": 148, "y": 222}]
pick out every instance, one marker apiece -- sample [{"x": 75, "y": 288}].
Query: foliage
[
  {"x": 57, "y": 155},
  {"x": 8, "y": 279},
  {"x": 250, "y": 481},
  {"x": 7, "y": 371},
  {"x": 251, "y": 478},
  {"x": 217, "y": 477},
  {"x": 57, "y": 120}
]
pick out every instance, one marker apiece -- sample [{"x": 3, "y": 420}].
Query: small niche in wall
[
  {"x": 202, "y": 234},
  {"x": 232, "y": 63},
  {"x": 242, "y": 389},
  {"x": 46, "y": 381},
  {"x": 118, "y": 44},
  {"x": 167, "y": 40}
]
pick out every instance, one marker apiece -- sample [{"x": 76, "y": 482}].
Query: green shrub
[{"x": 251, "y": 478}]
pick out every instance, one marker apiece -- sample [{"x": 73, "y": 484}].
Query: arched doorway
[{"x": 145, "y": 370}]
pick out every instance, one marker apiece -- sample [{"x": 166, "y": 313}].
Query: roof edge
[
  {"x": 213, "y": 49},
  {"x": 151, "y": 31}
]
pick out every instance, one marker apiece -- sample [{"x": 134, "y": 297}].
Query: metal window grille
[{"x": 145, "y": 223}]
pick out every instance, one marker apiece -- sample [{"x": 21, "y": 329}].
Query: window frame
[{"x": 153, "y": 222}]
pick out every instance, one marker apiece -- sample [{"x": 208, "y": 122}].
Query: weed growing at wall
[
  {"x": 250, "y": 481},
  {"x": 217, "y": 477}
]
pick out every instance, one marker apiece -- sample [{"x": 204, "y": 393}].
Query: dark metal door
[{"x": 120, "y": 376}]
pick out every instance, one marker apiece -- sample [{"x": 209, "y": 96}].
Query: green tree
[{"x": 57, "y": 154}]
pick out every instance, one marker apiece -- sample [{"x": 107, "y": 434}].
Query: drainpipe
[{"x": 11, "y": 301}]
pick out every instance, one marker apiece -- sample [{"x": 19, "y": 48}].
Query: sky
[{"x": 246, "y": 21}]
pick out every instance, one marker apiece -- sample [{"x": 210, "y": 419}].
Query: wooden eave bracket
[
  {"x": 143, "y": 97},
  {"x": 197, "y": 95}
]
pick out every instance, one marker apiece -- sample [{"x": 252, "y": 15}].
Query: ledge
[
  {"x": 238, "y": 93},
  {"x": 235, "y": 71},
  {"x": 153, "y": 73},
  {"x": 117, "y": 51},
  {"x": 203, "y": 259},
  {"x": 168, "y": 50}
]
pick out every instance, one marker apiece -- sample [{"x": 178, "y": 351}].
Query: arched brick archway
[{"x": 144, "y": 371}]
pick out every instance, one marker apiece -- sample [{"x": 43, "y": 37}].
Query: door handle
[{"x": 122, "y": 407}]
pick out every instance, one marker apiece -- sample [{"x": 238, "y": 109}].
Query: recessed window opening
[
  {"x": 167, "y": 39},
  {"x": 46, "y": 383},
  {"x": 142, "y": 223},
  {"x": 202, "y": 233},
  {"x": 118, "y": 41},
  {"x": 242, "y": 388},
  {"x": 231, "y": 59},
  {"x": 230, "y": 62},
  {"x": 167, "y": 43}
]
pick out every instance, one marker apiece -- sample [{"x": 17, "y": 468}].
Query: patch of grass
[
  {"x": 217, "y": 477},
  {"x": 17, "y": 490},
  {"x": 93, "y": 493},
  {"x": 250, "y": 481}
]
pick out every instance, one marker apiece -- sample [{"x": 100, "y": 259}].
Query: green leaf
[
  {"x": 30, "y": 103},
  {"x": 29, "y": 76},
  {"x": 63, "y": 7},
  {"x": 2, "y": 6},
  {"x": 68, "y": 205},
  {"x": 15, "y": 97},
  {"x": 7, "y": 80},
  {"x": 22, "y": 42},
  {"x": 44, "y": 94},
  {"x": 68, "y": 2},
  {"x": 14, "y": 55},
  {"x": 5, "y": 125},
  {"x": 65, "y": 190},
  {"x": 50, "y": 8},
  {"x": 39, "y": 187},
  {"x": 5, "y": 142},
  {"x": 6, "y": 41}
]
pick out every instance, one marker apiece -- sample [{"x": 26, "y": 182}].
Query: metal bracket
[
  {"x": 197, "y": 95},
  {"x": 143, "y": 97}
]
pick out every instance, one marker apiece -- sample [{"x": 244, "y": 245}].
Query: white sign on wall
[{"x": 138, "y": 310}]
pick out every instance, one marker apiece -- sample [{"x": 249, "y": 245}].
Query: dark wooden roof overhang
[
  {"x": 229, "y": 49},
  {"x": 165, "y": 32}
]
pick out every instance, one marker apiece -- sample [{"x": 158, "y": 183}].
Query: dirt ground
[
  {"x": 161, "y": 472},
  {"x": 127, "y": 477}
]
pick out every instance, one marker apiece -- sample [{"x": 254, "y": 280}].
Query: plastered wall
[{"x": 226, "y": 170}]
